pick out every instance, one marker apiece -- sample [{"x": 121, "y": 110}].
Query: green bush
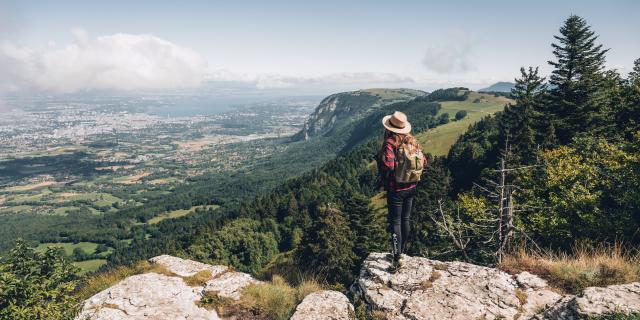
[
  {"x": 36, "y": 285},
  {"x": 461, "y": 114}
]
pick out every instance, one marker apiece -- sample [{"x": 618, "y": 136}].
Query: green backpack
[{"x": 409, "y": 166}]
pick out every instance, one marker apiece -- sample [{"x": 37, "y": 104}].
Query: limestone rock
[
  {"x": 324, "y": 305},
  {"x": 528, "y": 280},
  {"x": 158, "y": 296},
  {"x": 617, "y": 298},
  {"x": 147, "y": 296},
  {"x": 230, "y": 284},
  {"x": 429, "y": 289},
  {"x": 596, "y": 301}
]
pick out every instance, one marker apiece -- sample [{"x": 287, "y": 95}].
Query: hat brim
[{"x": 390, "y": 127}]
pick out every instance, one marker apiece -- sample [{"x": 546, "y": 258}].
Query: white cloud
[
  {"x": 454, "y": 56},
  {"x": 120, "y": 61}
]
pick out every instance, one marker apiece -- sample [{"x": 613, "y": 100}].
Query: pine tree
[
  {"x": 327, "y": 247},
  {"x": 434, "y": 186},
  {"x": 576, "y": 79},
  {"x": 634, "y": 76},
  {"x": 368, "y": 226},
  {"x": 550, "y": 139},
  {"x": 520, "y": 122},
  {"x": 629, "y": 117}
]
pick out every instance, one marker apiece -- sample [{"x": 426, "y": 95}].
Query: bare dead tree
[
  {"x": 455, "y": 229},
  {"x": 506, "y": 207}
]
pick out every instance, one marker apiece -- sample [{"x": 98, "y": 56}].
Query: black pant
[{"x": 399, "y": 205}]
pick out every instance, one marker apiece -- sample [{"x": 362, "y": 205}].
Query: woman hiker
[{"x": 400, "y": 163}]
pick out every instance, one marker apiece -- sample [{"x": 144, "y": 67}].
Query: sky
[{"x": 69, "y": 46}]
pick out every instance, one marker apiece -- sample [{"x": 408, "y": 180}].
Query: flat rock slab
[
  {"x": 324, "y": 305},
  {"x": 623, "y": 298},
  {"x": 147, "y": 296},
  {"x": 430, "y": 289}
]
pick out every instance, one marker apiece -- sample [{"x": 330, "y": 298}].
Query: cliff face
[
  {"x": 420, "y": 289},
  {"x": 350, "y": 106}
]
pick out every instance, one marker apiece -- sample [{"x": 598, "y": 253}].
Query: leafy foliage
[{"x": 36, "y": 285}]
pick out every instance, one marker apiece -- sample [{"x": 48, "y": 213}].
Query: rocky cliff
[
  {"x": 350, "y": 106},
  {"x": 430, "y": 289},
  {"x": 420, "y": 289},
  {"x": 177, "y": 290}
]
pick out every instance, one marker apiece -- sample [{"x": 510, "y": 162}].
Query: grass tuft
[
  {"x": 522, "y": 296},
  {"x": 306, "y": 287},
  {"x": 199, "y": 279},
  {"x": 275, "y": 300},
  {"x": 100, "y": 281},
  {"x": 585, "y": 266}
]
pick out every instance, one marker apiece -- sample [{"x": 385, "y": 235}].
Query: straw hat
[{"x": 397, "y": 122}]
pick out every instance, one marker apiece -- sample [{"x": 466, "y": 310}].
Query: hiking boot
[{"x": 395, "y": 265}]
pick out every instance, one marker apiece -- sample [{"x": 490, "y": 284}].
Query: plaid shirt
[{"x": 388, "y": 167}]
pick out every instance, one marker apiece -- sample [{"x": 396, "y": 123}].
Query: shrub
[
  {"x": 461, "y": 114},
  {"x": 443, "y": 118},
  {"x": 37, "y": 285}
]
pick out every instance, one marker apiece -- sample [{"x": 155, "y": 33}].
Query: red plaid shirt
[{"x": 388, "y": 167}]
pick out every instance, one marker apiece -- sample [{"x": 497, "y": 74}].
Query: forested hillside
[{"x": 291, "y": 218}]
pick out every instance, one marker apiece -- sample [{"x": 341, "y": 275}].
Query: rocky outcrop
[
  {"x": 430, "y": 289},
  {"x": 420, "y": 289},
  {"x": 166, "y": 296},
  {"x": 147, "y": 296},
  {"x": 174, "y": 288},
  {"x": 324, "y": 305},
  {"x": 596, "y": 301}
]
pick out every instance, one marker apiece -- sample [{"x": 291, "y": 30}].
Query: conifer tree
[
  {"x": 327, "y": 247},
  {"x": 630, "y": 116},
  {"x": 634, "y": 76},
  {"x": 576, "y": 79},
  {"x": 369, "y": 227},
  {"x": 520, "y": 122},
  {"x": 550, "y": 139},
  {"x": 434, "y": 186}
]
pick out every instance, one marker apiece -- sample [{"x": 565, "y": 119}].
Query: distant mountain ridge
[
  {"x": 502, "y": 86},
  {"x": 342, "y": 108}
]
